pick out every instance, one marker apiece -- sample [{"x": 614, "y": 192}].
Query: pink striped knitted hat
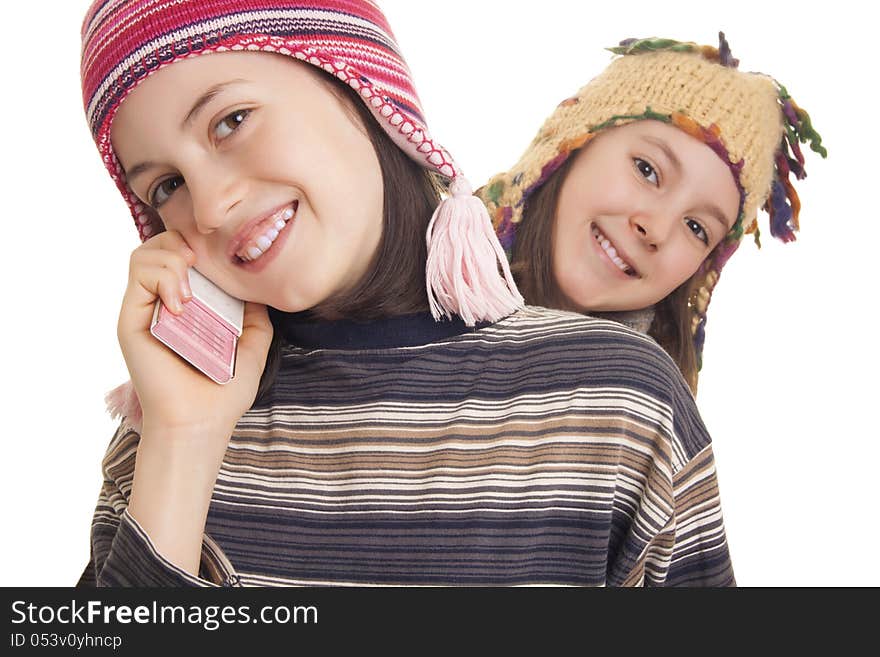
[{"x": 124, "y": 41}]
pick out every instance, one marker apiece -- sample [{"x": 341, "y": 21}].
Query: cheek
[
  {"x": 609, "y": 191},
  {"x": 283, "y": 150},
  {"x": 567, "y": 244},
  {"x": 571, "y": 265},
  {"x": 622, "y": 193},
  {"x": 566, "y": 276},
  {"x": 341, "y": 183},
  {"x": 678, "y": 267}
]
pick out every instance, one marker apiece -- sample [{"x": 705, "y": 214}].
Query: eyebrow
[
  {"x": 206, "y": 98},
  {"x": 711, "y": 208},
  {"x": 716, "y": 213},
  {"x": 191, "y": 116},
  {"x": 668, "y": 152}
]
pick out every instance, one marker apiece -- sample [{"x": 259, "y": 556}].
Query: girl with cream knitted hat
[{"x": 638, "y": 189}]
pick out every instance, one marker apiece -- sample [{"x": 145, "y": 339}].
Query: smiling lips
[
  {"x": 264, "y": 234},
  {"x": 612, "y": 254}
]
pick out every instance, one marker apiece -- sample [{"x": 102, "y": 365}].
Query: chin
[
  {"x": 286, "y": 306},
  {"x": 606, "y": 306},
  {"x": 622, "y": 306}
]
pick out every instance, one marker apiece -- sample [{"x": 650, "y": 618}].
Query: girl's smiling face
[
  {"x": 641, "y": 207},
  {"x": 265, "y": 171}
]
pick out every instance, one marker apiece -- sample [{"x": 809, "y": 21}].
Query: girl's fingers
[
  {"x": 146, "y": 285},
  {"x": 160, "y": 258},
  {"x": 169, "y": 251}
]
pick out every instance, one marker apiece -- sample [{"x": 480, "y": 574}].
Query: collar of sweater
[
  {"x": 638, "y": 320},
  {"x": 303, "y": 330}
]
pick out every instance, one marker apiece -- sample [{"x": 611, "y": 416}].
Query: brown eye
[
  {"x": 230, "y": 123},
  {"x": 697, "y": 230},
  {"x": 164, "y": 190},
  {"x": 646, "y": 170}
]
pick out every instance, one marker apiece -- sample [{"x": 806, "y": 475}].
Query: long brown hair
[
  {"x": 532, "y": 267},
  {"x": 395, "y": 280},
  {"x": 672, "y": 330}
]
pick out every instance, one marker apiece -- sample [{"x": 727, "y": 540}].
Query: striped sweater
[{"x": 547, "y": 448}]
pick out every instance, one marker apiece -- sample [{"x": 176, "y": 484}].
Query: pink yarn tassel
[
  {"x": 122, "y": 402},
  {"x": 463, "y": 259}
]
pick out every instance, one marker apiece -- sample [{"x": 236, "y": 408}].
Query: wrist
[
  {"x": 174, "y": 476},
  {"x": 203, "y": 434}
]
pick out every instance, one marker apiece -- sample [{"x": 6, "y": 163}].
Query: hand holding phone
[{"x": 172, "y": 392}]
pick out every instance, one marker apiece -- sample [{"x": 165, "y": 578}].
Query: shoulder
[
  {"x": 618, "y": 367},
  {"x": 599, "y": 347},
  {"x": 587, "y": 329},
  {"x": 537, "y": 320}
]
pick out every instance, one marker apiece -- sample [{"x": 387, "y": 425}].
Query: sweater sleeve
[
  {"x": 122, "y": 553},
  {"x": 675, "y": 534},
  {"x": 692, "y": 549}
]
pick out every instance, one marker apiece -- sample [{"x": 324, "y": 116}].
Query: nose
[
  {"x": 215, "y": 190},
  {"x": 653, "y": 228}
]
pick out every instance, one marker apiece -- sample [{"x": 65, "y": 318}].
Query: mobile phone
[{"x": 206, "y": 333}]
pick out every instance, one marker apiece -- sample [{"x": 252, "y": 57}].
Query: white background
[{"x": 789, "y": 387}]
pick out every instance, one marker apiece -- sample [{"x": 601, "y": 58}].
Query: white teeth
[
  {"x": 264, "y": 241},
  {"x": 611, "y": 251}
]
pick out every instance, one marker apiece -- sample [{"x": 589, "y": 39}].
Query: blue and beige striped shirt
[{"x": 547, "y": 448}]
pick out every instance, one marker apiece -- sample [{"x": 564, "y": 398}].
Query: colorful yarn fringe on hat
[{"x": 748, "y": 119}]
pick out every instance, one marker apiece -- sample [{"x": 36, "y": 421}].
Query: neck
[
  {"x": 638, "y": 320},
  {"x": 303, "y": 329}
]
